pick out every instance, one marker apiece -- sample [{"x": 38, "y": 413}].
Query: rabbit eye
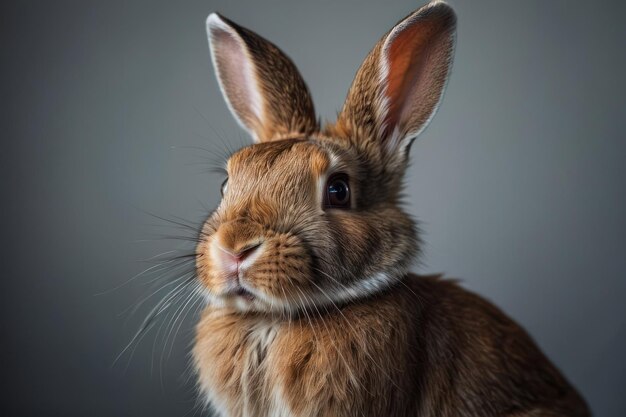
[
  {"x": 337, "y": 192},
  {"x": 224, "y": 187}
]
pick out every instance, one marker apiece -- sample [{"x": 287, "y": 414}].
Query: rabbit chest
[
  {"x": 233, "y": 356},
  {"x": 254, "y": 366}
]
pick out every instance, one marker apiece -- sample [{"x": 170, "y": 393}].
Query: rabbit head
[{"x": 310, "y": 215}]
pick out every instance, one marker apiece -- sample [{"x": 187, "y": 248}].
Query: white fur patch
[{"x": 362, "y": 288}]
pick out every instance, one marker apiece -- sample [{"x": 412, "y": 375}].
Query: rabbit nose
[
  {"x": 243, "y": 253},
  {"x": 231, "y": 260}
]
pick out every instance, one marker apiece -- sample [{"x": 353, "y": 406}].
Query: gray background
[{"x": 519, "y": 181}]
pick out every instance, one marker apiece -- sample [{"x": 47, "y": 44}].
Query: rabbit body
[
  {"x": 305, "y": 263},
  {"x": 426, "y": 347}
]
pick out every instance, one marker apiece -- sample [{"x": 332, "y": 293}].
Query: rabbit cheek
[{"x": 282, "y": 273}]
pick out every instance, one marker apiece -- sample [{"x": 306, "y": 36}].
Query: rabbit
[{"x": 310, "y": 306}]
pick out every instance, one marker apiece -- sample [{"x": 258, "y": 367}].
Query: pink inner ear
[
  {"x": 237, "y": 77},
  {"x": 417, "y": 60}
]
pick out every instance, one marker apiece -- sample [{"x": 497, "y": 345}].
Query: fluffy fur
[{"x": 319, "y": 315}]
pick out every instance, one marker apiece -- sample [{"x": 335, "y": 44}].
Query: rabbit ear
[
  {"x": 262, "y": 87},
  {"x": 398, "y": 88}
]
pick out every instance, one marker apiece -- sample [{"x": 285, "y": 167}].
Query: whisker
[
  {"x": 148, "y": 322},
  {"x": 180, "y": 318},
  {"x": 133, "y": 308},
  {"x": 157, "y": 238},
  {"x": 178, "y": 221},
  {"x": 163, "y": 265}
]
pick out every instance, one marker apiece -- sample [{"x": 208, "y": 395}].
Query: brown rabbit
[{"x": 311, "y": 308}]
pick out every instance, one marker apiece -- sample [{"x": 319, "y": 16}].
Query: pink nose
[{"x": 231, "y": 261}]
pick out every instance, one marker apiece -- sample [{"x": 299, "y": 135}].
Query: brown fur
[
  {"x": 280, "y": 120},
  {"x": 425, "y": 348},
  {"x": 323, "y": 318}
]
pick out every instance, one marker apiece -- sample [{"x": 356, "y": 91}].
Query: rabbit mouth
[{"x": 243, "y": 293}]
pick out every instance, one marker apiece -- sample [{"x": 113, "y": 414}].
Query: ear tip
[
  {"x": 438, "y": 4},
  {"x": 212, "y": 19},
  {"x": 215, "y": 21},
  {"x": 441, "y": 9}
]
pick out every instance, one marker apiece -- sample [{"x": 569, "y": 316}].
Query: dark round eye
[
  {"x": 337, "y": 192},
  {"x": 224, "y": 187}
]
